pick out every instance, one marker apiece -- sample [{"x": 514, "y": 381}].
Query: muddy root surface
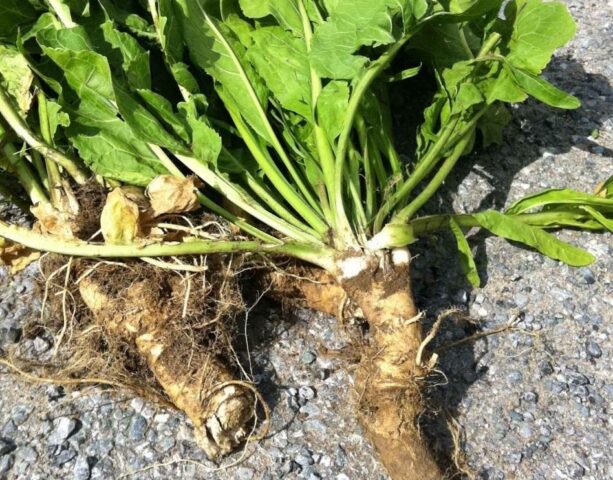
[{"x": 161, "y": 335}]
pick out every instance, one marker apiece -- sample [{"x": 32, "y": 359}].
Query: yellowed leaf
[
  {"x": 600, "y": 190},
  {"x": 54, "y": 222},
  {"x": 15, "y": 256},
  {"x": 169, "y": 194},
  {"x": 120, "y": 219}
]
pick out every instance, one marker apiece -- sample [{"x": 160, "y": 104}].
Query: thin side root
[
  {"x": 431, "y": 335},
  {"x": 512, "y": 325}
]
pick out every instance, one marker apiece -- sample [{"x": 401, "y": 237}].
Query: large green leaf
[
  {"x": 332, "y": 108},
  {"x": 165, "y": 113},
  {"x": 215, "y": 49},
  {"x": 599, "y": 217},
  {"x": 111, "y": 150},
  {"x": 89, "y": 75},
  {"x": 507, "y": 227},
  {"x": 558, "y": 196},
  {"x": 351, "y": 24},
  {"x": 143, "y": 123},
  {"x": 544, "y": 91},
  {"x": 105, "y": 142},
  {"x": 466, "y": 257},
  {"x": 14, "y": 16},
  {"x": 134, "y": 58},
  {"x": 285, "y": 12},
  {"x": 282, "y": 61},
  {"x": 540, "y": 28}
]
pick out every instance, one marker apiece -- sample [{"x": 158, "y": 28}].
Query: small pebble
[
  {"x": 138, "y": 427},
  {"x": 12, "y": 334},
  {"x": 307, "y": 392},
  {"x": 63, "y": 428},
  {"x": 514, "y": 377},
  {"x": 525, "y": 431},
  {"x": 586, "y": 276},
  {"x": 6, "y": 463},
  {"x": 529, "y": 397},
  {"x": 304, "y": 460},
  {"x": 244, "y": 473},
  {"x": 308, "y": 357},
  {"x": 81, "y": 470},
  {"x": 65, "y": 456},
  {"x": 40, "y": 345},
  {"x": 5, "y": 447},
  {"x": 137, "y": 404},
  {"x": 26, "y": 454},
  {"x": 576, "y": 471},
  {"x": 593, "y": 349},
  {"x": 516, "y": 416}
]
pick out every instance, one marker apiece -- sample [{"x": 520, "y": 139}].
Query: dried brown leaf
[
  {"x": 52, "y": 221},
  {"x": 170, "y": 194},
  {"x": 15, "y": 256}
]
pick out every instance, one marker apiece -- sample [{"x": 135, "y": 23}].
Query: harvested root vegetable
[
  {"x": 156, "y": 334},
  {"x": 283, "y": 110},
  {"x": 220, "y": 408}
]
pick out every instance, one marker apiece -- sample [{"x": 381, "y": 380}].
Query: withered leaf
[
  {"x": 52, "y": 221},
  {"x": 120, "y": 219},
  {"x": 16, "y": 256},
  {"x": 169, "y": 194}
]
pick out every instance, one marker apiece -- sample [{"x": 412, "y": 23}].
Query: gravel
[{"x": 533, "y": 403}]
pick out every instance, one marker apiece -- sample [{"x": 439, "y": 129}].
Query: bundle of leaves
[{"x": 281, "y": 108}]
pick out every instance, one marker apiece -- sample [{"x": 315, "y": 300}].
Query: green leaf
[
  {"x": 143, "y": 123},
  {"x": 206, "y": 142},
  {"x": 185, "y": 78},
  {"x": 56, "y": 116},
  {"x": 351, "y": 24},
  {"x": 468, "y": 96},
  {"x": 286, "y": 12},
  {"x": 215, "y": 49},
  {"x": 110, "y": 149},
  {"x": 558, "y": 196},
  {"x": 49, "y": 36},
  {"x": 461, "y": 10},
  {"x": 405, "y": 74},
  {"x": 16, "y": 77},
  {"x": 504, "y": 88},
  {"x": 135, "y": 59},
  {"x": 493, "y": 123},
  {"x": 282, "y": 61},
  {"x": 255, "y": 8},
  {"x": 172, "y": 36},
  {"x": 332, "y": 108},
  {"x": 544, "y": 91},
  {"x": 600, "y": 218},
  {"x": 507, "y": 227},
  {"x": 89, "y": 75},
  {"x": 540, "y": 28},
  {"x": 105, "y": 143},
  {"x": 165, "y": 113},
  {"x": 466, "y": 257},
  {"x": 15, "y": 15}
]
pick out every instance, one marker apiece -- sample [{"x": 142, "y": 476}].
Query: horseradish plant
[{"x": 281, "y": 109}]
